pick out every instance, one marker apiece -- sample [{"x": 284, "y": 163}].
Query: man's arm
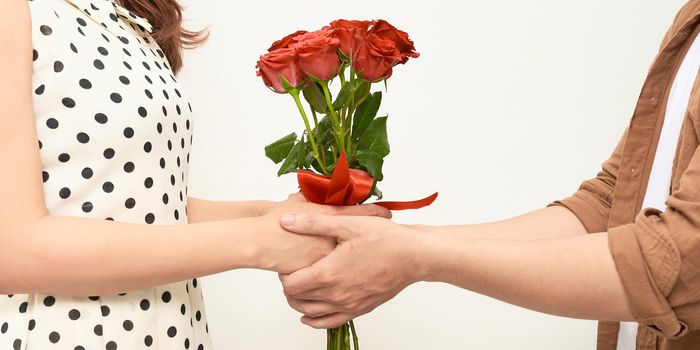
[{"x": 573, "y": 276}]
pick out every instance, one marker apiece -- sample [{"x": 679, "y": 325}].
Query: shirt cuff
[
  {"x": 587, "y": 207},
  {"x": 648, "y": 263}
]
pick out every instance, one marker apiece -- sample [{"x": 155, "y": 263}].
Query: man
[{"x": 624, "y": 249}]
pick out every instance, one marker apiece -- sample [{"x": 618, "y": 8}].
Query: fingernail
[{"x": 287, "y": 219}]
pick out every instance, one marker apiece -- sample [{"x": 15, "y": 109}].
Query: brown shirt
[{"x": 657, "y": 254}]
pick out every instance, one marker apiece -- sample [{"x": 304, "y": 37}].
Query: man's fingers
[
  {"x": 302, "y": 283},
  {"x": 326, "y": 322},
  {"x": 317, "y": 225},
  {"x": 311, "y": 308}
]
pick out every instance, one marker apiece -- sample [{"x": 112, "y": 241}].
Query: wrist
[{"x": 423, "y": 252}]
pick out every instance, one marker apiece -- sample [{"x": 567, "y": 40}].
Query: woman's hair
[{"x": 166, "y": 18}]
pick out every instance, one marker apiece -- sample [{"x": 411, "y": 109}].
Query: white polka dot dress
[{"x": 114, "y": 131}]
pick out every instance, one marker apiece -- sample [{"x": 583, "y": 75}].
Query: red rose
[
  {"x": 318, "y": 54},
  {"x": 284, "y": 42},
  {"x": 346, "y": 31},
  {"x": 374, "y": 58},
  {"x": 400, "y": 38},
  {"x": 280, "y": 64}
]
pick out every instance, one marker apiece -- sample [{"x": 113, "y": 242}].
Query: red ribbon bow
[{"x": 348, "y": 187}]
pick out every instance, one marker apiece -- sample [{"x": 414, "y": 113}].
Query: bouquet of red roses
[{"x": 339, "y": 157}]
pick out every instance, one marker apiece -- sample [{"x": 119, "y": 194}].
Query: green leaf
[
  {"x": 324, "y": 134},
  {"x": 279, "y": 149},
  {"x": 343, "y": 95},
  {"x": 364, "y": 115},
  {"x": 293, "y": 160},
  {"x": 313, "y": 94},
  {"x": 372, "y": 162},
  {"x": 375, "y": 138},
  {"x": 361, "y": 91}
]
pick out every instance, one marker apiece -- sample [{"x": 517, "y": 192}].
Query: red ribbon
[{"x": 348, "y": 187}]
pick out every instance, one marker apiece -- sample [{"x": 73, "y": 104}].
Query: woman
[{"x": 101, "y": 243}]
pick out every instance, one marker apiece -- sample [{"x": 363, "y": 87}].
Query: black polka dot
[
  {"x": 87, "y": 207},
  {"x": 130, "y": 203},
  {"x": 73, "y": 48},
  {"x": 86, "y": 173},
  {"x": 64, "y": 192},
  {"x": 17, "y": 344},
  {"x": 124, "y": 80},
  {"x": 115, "y": 97},
  {"x": 187, "y": 343},
  {"x": 129, "y": 167},
  {"x": 40, "y": 89},
  {"x": 177, "y": 215},
  {"x": 74, "y": 314},
  {"x": 35, "y": 55},
  {"x": 104, "y": 309},
  {"x": 58, "y": 66},
  {"x": 145, "y": 304},
  {"x": 98, "y": 64},
  {"x": 68, "y": 102},
  {"x": 85, "y": 84},
  {"x": 31, "y": 325},
  {"x": 64, "y": 157},
  {"x": 148, "y": 94},
  {"x": 172, "y": 331},
  {"x": 98, "y": 330},
  {"x": 147, "y": 147},
  {"x": 183, "y": 309},
  {"x": 83, "y": 137},
  {"x": 108, "y": 153},
  {"x": 128, "y": 325},
  {"x": 23, "y": 307},
  {"x": 46, "y": 30},
  {"x": 111, "y": 345},
  {"x": 101, "y": 118},
  {"x": 165, "y": 198},
  {"x": 108, "y": 187},
  {"x": 54, "y": 337},
  {"x": 166, "y": 297},
  {"x": 3, "y": 328},
  {"x": 198, "y": 315},
  {"x": 159, "y": 128},
  {"x": 128, "y": 133},
  {"x": 150, "y": 218},
  {"x": 44, "y": 176},
  {"x": 49, "y": 301},
  {"x": 148, "y": 183},
  {"x": 200, "y": 347},
  {"x": 142, "y": 112},
  {"x": 81, "y": 21},
  {"x": 102, "y": 51},
  {"x": 148, "y": 340},
  {"x": 52, "y": 123},
  {"x": 162, "y": 163}
]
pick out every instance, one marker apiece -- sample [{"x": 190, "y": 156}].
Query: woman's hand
[{"x": 284, "y": 252}]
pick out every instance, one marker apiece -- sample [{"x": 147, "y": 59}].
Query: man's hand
[{"x": 375, "y": 260}]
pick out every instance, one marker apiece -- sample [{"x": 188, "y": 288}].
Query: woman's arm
[
  {"x": 50, "y": 254},
  {"x": 203, "y": 210},
  {"x": 573, "y": 276}
]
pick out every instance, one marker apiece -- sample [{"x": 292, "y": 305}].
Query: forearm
[
  {"x": 77, "y": 256},
  {"x": 546, "y": 223},
  {"x": 572, "y": 277},
  {"x": 202, "y": 210}
]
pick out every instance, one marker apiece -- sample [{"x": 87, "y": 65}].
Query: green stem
[
  {"x": 355, "y": 340},
  {"x": 342, "y": 74},
  {"x": 334, "y": 117},
  {"x": 295, "y": 95}
]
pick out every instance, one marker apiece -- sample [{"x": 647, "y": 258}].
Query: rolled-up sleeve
[
  {"x": 658, "y": 259},
  {"x": 592, "y": 202}
]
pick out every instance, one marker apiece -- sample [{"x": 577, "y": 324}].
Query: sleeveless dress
[{"x": 114, "y": 131}]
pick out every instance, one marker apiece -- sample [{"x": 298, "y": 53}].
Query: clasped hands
[{"x": 374, "y": 260}]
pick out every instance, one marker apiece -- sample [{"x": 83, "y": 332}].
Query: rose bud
[
  {"x": 375, "y": 57},
  {"x": 400, "y": 38},
  {"x": 318, "y": 54},
  {"x": 278, "y": 65},
  {"x": 286, "y": 41},
  {"x": 345, "y": 31}
]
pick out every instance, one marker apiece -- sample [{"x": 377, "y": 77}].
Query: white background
[{"x": 511, "y": 104}]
